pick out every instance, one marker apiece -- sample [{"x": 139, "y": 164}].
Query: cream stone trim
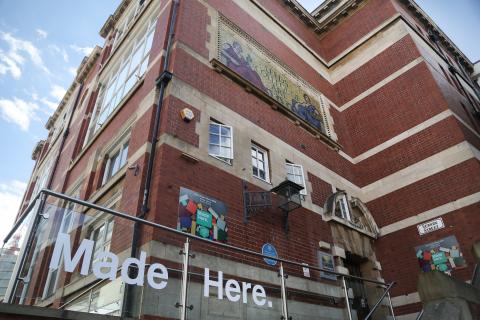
[
  {"x": 402, "y": 136},
  {"x": 364, "y": 39},
  {"x": 420, "y": 170},
  {"x": 431, "y": 214},
  {"x": 212, "y": 108},
  {"x": 382, "y": 83},
  {"x": 270, "y": 23},
  {"x": 373, "y": 43},
  {"x": 403, "y": 300}
]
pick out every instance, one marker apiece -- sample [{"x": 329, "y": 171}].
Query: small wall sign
[
  {"x": 269, "y": 250},
  {"x": 430, "y": 226}
]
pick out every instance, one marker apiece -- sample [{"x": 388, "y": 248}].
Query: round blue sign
[{"x": 269, "y": 250}]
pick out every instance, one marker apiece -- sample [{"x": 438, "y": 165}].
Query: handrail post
[
  {"x": 391, "y": 305},
  {"x": 183, "y": 296},
  {"x": 24, "y": 251},
  {"x": 284, "y": 293},
  {"x": 347, "y": 301},
  {"x": 369, "y": 315}
]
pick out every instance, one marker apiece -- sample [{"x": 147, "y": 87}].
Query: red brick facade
[{"x": 375, "y": 121}]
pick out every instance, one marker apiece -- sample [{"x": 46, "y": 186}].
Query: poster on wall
[
  {"x": 248, "y": 59},
  {"x": 325, "y": 261},
  {"x": 202, "y": 216},
  {"x": 443, "y": 255}
]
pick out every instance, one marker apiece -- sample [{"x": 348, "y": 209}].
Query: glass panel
[
  {"x": 137, "y": 57},
  {"x": 225, "y": 131},
  {"x": 225, "y": 152},
  {"x": 214, "y": 150},
  {"x": 214, "y": 139},
  {"x": 123, "y": 159},
  {"x": 250, "y": 289},
  {"x": 10, "y": 252},
  {"x": 214, "y": 128},
  {"x": 226, "y": 141}
]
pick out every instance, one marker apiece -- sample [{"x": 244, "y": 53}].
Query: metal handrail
[
  {"x": 181, "y": 233},
  {"x": 379, "y": 301},
  {"x": 420, "y": 315}
]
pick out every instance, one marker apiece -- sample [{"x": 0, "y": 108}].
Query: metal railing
[{"x": 183, "y": 304}]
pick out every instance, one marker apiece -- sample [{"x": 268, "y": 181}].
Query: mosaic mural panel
[{"x": 249, "y": 60}]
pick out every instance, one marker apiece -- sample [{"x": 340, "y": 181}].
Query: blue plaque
[{"x": 269, "y": 250}]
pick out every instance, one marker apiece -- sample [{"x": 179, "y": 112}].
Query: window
[
  {"x": 342, "y": 209},
  {"x": 102, "y": 237},
  {"x": 260, "y": 168},
  {"x": 115, "y": 162},
  {"x": 295, "y": 174},
  {"x": 124, "y": 76},
  {"x": 124, "y": 25},
  {"x": 220, "y": 144}
]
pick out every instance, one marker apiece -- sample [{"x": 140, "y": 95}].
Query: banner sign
[
  {"x": 430, "y": 226},
  {"x": 202, "y": 216},
  {"x": 442, "y": 255},
  {"x": 105, "y": 265},
  {"x": 248, "y": 59}
]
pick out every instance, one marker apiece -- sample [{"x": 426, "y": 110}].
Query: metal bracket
[
  {"x": 181, "y": 252},
  {"x": 178, "y": 305}
]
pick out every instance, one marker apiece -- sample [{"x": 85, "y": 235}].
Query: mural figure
[
  {"x": 240, "y": 62},
  {"x": 307, "y": 111}
]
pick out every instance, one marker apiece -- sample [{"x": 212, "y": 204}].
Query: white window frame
[
  {"x": 294, "y": 166},
  {"x": 106, "y": 240},
  {"x": 120, "y": 153},
  {"x": 123, "y": 77},
  {"x": 255, "y": 148},
  {"x": 219, "y": 155}
]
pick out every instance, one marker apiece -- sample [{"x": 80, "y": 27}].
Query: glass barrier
[
  {"x": 223, "y": 283},
  {"x": 10, "y": 253},
  {"x": 79, "y": 257}
]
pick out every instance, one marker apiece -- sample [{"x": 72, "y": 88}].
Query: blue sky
[{"x": 43, "y": 42}]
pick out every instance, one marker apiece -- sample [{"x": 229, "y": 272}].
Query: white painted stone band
[
  {"x": 431, "y": 214},
  {"x": 420, "y": 170},
  {"x": 382, "y": 83}
]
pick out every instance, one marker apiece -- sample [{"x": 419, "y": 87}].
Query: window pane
[
  {"x": 225, "y": 131},
  {"x": 123, "y": 159},
  {"x": 149, "y": 41},
  {"x": 226, "y": 142},
  {"x": 137, "y": 57},
  {"x": 214, "y": 139},
  {"x": 130, "y": 83},
  {"x": 262, "y": 174},
  {"x": 260, "y": 155},
  {"x": 254, "y": 162},
  {"x": 255, "y": 172},
  {"x": 214, "y": 150},
  {"x": 143, "y": 67},
  {"x": 225, "y": 152},
  {"x": 214, "y": 128},
  {"x": 115, "y": 164}
]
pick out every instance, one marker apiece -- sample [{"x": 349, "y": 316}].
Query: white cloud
[
  {"x": 15, "y": 57},
  {"x": 50, "y": 104},
  {"x": 11, "y": 194},
  {"x": 57, "y": 92},
  {"x": 62, "y": 52},
  {"x": 83, "y": 50},
  {"x": 7, "y": 64},
  {"x": 72, "y": 71},
  {"x": 18, "y": 111},
  {"x": 42, "y": 34}
]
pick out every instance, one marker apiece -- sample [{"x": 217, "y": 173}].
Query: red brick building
[{"x": 366, "y": 104}]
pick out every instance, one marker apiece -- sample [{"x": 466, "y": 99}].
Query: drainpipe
[{"x": 161, "y": 82}]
